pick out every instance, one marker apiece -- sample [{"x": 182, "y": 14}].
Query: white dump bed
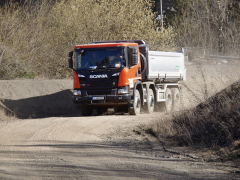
[{"x": 166, "y": 65}]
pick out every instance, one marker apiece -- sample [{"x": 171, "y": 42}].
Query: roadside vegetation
[
  {"x": 207, "y": 26},
  {"x": 213, "y": 124},
  {"x": 213, "y": 121},
  {"x": 36, "y": 36}
]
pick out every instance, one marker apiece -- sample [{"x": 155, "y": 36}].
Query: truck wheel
[
  {"x": 150, "y": 102},
  {"x": 168, "y": 102},
  {"x": 86, "y": 111},
  {"x": 121, "y": 109},
  {"x": 101, "y": 110},
  {"x": 136, "y": 105},
  {"x": 117, "y": 109},
  {"x": 175, "y": 98}
]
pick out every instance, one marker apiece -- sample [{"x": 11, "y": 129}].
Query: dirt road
[
  {"x": 48, "y": 139},
  {"x": 103, "y": 147}
]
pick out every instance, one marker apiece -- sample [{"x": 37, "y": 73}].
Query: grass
[{"x": 214, "y": 123}]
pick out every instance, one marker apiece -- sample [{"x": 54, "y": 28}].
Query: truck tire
[
  {"x": 150, "y": 102},
  {"x": 86, "y": 110},
  {"x": 176, "y": 99},
  {"x": 168, "y": 102},
  {"x": 101, "y": 110},
  {"x": 136, "y": 105},
  {"x": 121, "y": 109},
  {"x": 117, "y": 109}
]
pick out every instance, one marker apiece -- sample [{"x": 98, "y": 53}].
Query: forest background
[{"x": 36, "y": 36}]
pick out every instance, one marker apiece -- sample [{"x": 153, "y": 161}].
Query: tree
[
  {"x": 41, "y": 34},
  {"x": 210, "y": 25}
]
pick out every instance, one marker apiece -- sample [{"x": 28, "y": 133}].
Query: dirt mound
[
  {"x": 213, "y": 124},
  {"x": 36, "y": 98},
  {"x": 221, "y": 116}
]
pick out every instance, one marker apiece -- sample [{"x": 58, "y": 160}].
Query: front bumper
[{"x": 103, "y": 100}]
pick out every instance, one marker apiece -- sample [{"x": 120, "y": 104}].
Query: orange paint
[
  {"x": 125, "y": 74},
  {"x": 128, "y": 73},
  {"x": 76, "y": 83}
]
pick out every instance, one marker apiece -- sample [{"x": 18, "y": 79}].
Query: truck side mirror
[
  {"x": 70, "y": 60},
  {"x": 70, "y": 54},
  {"x": 135, "y": 57}
]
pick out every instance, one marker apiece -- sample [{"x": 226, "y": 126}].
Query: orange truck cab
[{"x": 111, "y": 74}]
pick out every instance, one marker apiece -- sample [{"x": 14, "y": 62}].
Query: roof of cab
[
  {"x": 139, "y": 42},
  {"x": 102, "y": 45}
]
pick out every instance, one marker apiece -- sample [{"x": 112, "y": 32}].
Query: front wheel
[
  {"x": 136, "y": 105},
  {"x": 86, "y": 110},
  {"x": 101, "y": 110},
  {"x": 121, "y": 109}
]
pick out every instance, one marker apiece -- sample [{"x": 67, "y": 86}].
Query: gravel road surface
[{"x": 46, "y": 137}]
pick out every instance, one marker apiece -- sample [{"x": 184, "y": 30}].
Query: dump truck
[{"x": 126, "y": 76}]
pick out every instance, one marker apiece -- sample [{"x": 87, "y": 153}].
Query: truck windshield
[{"x": 99, "y": 58}]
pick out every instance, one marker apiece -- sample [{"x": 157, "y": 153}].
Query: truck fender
[
  {"x": 138, "y": 85},
  {"x": 143, "y": 63}
]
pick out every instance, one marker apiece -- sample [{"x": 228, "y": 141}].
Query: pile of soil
[
  {"x": 36, "y": 98},
  {"x": 213, "y": 124}
]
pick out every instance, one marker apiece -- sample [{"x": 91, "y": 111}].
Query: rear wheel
[
  {"x": 136, "y": 105},
  {"x": 150, "y": 102},
  {"x": 86, "y": 110},
  {"x": 168, "y": 102}
]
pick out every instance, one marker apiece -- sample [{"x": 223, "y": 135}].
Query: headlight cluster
[
  {"x": 77, "y": 92},
  {"x": 123, "y": 90},
  {"x": 116, "y": 74}
]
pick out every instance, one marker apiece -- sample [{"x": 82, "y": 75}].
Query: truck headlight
[
  {"x": 116, "y": 74},
  {"x": 77, "y": 92},
  {"x": 123, "y": 90}
]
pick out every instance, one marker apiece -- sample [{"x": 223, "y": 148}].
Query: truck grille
[
  {"x": 99, "y": 87},
  {"x": 102, "y": 92},
  {"x": 105, "y": 84}
]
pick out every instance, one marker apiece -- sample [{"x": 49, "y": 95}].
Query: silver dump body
[{"x": 167, "y": 66}]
